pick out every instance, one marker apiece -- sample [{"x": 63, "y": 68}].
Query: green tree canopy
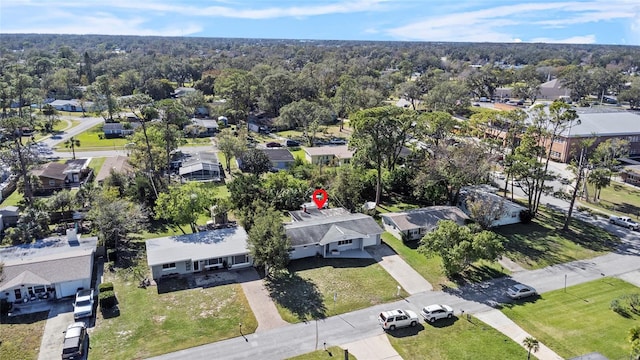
[
  {"x": 184, "y": 204},
  {"x": 459, "y": 247},
  {"x": 268, "y": 243}
]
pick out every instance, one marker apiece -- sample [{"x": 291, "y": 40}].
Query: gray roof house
[
  {"x": 414, "y": 224},
  {"x": 281, "y": 159},
  {"x": 9, "y": 216},
  {"x": 335, "y": 235},
  {"x": 191, "y": 253},
  {"x": 502, "y": 210},
  {"x": 48, "y": 268}
]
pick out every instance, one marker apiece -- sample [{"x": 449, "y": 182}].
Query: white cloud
[
  {"x": 493, "y": 24},
  {"x": 99, "y": 23},
  {"x": 585, "y": 39}
]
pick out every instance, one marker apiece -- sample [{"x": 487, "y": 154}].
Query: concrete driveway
[
  {"x": 60, "y": 316},
  {"x": 405, "y": 275}
]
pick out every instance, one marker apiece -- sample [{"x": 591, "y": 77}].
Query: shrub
[
  {"x": 107, "y": 299},
  {"x": 619, "y": 308},
  {"x": 525, "y": 216},
  {"x": 108, "y": 286},
  {"x": 5, "y": 306}
]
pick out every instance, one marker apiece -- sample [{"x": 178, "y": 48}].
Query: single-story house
[
  {"x": 415, "y": 224},
  {"x": 186, "y": 254},
  {"x": 328, "y": 155},
  {"x": 182, "y": 91},
  {"x": 47, "y": 268},
  {"x": 553, "y": 89},
  {"x": 501, "y": 210},
  {"x": 209, "y": 127},
  {"x": 56, "y": 176},
  {"x": 120, "y": 129},
  {"x": 9, "y": 216},
  {"x": 73, "y": 105},
  {"x": 118, "y": 164},
  {"x": 281, "y": 159},
  {"x": 332, "y": 235},
  {"x": 201, "y": 167}
]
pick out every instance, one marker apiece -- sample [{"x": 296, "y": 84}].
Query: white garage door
[{"x": 70, "y": 288}]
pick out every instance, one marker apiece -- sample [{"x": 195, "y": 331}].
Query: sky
[{"x": 549, "y": 21}]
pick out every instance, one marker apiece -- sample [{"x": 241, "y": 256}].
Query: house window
[
  {"x": 240, "y": 259},
  {"x": 168, "y": 266},
  {"x": 635, "y": 138},
  {"x": 345, "y": 242},
  {"x": 52, "y": 183},
  {"x": 187, "y": 265},
  {"x": 210, "y": 262}
]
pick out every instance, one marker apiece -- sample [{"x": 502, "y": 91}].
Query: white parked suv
[
  {"x": 83, "y": 306},
  {"x": 434, "y": 312},
  {"x": 391, "y": 320}
]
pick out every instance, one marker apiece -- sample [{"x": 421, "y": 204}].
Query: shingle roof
[
  {"x": 52, "y": 170},
  {"x": 278, "y": 155},
  {"x": 339, "y": 151},
  {"x": 332, "y": 228},
  {"x": 119, "y": 164},
  {"x": 198, "y": 246},
  {"x": 56, "y": 268},
  {"x": 425, "y": 217}
]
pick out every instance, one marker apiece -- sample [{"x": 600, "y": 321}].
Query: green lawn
[
  {"x": 96, "y": 164},
  {"x": 618, "y": 199},
  {"x": 90, "y": 140},
  {"x": 455, "y": 339},
  {"x": 431, "y": 267},
  {"x": 579, "y": 321},
  {"x": 20, "y": 336},
  {"x": 331, "y": 352},
  {"x": 307, "y": 292},
  {"x": 327, "y": 133},
  {"x": 12, "y": 200},
  {"x": 152, "y": 324},
  {"x": 542, "y": 243}
]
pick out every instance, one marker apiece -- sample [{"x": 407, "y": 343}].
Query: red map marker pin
[{"x": 320, "y": 201}]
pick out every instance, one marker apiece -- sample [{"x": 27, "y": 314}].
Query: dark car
[
  {"x": 74, "y": 341},
  {"x": 292, "y": 143},
  {"x": 273, "y": 145}
]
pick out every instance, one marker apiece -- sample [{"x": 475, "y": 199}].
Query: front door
[
  {"x": 196, "y": 266},
  {"x": 18, "y": 294}
]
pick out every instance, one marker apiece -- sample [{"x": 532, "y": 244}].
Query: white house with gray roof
[
  {"x": 191, "y": 253},
  {"x": 332, "y": 235},
  {"x": 48, "y": 268},
  {"x": 415, "y": 224}
]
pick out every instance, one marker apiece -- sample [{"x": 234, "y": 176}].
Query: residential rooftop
[
  {"x": 427, "y": 217},
  {"x": 46, "y": 249},
  {"x": 339, "y": 151},
  {"x": 198, "y": 246}
]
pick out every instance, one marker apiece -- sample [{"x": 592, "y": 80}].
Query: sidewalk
[
  {"x": 259, "y": 300},
  {"x": 500, "y": 322},
  {"x": 405, "y": 275},
  {"x": 373, "y": 348}
]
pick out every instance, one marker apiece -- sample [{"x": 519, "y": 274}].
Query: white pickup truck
[{"x": 624, "y": 221}]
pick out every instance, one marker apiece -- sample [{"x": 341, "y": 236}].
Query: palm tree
[
  {"x": 531, "y": 344},
  {"x": 72, "y": 143}
]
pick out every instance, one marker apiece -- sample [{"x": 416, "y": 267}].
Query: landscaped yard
[
  {"x": 96, "y": 164},
  {"x": 455, "y": 339},
  {"x": 331, "y": 352},
  {"x": 542, "y": 242},
  {"x": 307, "y": 292},
  {"x": 20, "y": 336},
  {"x": 579, "y": 321},
  {"x": 327, "y": 133},
  {"x": 90, "y": 140},
  {"x": 151, "y": 324},
  {"x": 431, "y": 267}
]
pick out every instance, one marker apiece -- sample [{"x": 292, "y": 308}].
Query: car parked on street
[
  {"x": 73, "y": 346},
  {"x": 519, "y": 291},
  {"x": 435, "y": 312},
  {"x": 292, "y": 143},
  {"x": 83, "y": 306},
  {"x": 393, "y": 319},
  {"x": 273, "y": 145}
]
